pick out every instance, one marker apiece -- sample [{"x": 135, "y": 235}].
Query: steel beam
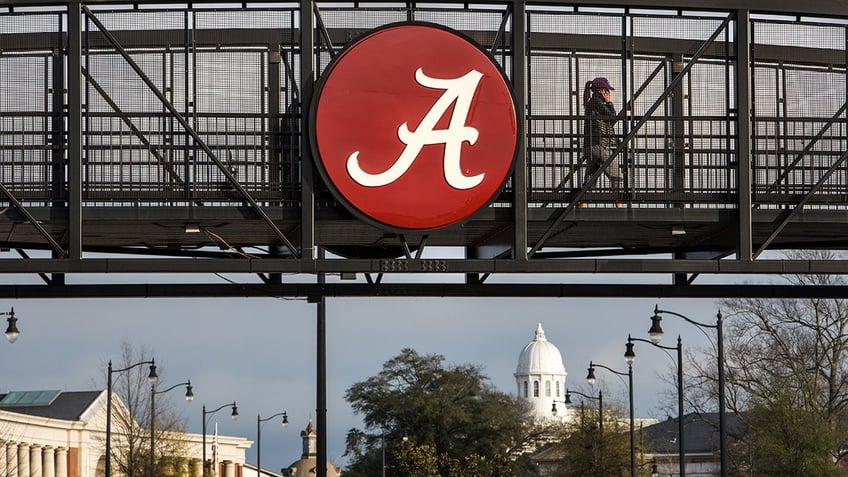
[
  {"x": 788, "y": 7},
  {"x": 307, "y": 168},
  {"x": 745, "y": 247},
  {"x": 74, "y": 129},
  {"x": 519, "y": 87},
  {"x": 424, "y": 267},
  {"x": 315, "y": 291}
]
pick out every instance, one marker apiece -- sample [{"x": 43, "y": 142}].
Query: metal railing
[{"x": 232, "y": 74}]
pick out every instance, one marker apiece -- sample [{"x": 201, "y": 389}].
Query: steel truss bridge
[{"x": 141, "y": 138}]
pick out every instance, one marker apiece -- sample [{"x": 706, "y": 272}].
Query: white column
[
  {"x": 23, "y": 459},
  {"x": 35, "y": 460},
  {"x": 181, "y": 467},
  {"x": 196, "y": 468},
  {"x": 3, "y": 459},
  {"x": 61, "y": 462},
  {"x": 48, "y": 459},
  {"x": 229, "y": 469},
  {"x": 12, "y": 459}
]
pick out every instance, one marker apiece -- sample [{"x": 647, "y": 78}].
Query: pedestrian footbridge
[{"x": 159, "y": 137}]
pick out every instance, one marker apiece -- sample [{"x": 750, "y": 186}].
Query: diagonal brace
[
  {"x": 808, "y": 148},
  {"x": 184, "y": 123},
  {"x": 597, "y": 175},
  {"x": 23, "y": 210},
  {"x": 800, "y": 205},
  {"x": 134, "y": 129}
]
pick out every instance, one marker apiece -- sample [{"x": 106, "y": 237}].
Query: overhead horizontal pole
[
  {"x": 428, "y": 267},
  {"x": 313, "y": 291}
]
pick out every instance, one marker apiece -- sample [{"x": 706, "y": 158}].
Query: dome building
[{"x": 540, "y": 377}]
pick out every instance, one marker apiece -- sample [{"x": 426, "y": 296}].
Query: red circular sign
[{"x": 415, "y": 127}]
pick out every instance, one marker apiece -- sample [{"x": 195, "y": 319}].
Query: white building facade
[{"x": 63, "y": 434}]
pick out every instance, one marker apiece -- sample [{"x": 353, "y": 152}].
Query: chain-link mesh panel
[
  {"x": 233, "y": 75},
  {"x": 800, "y": 119},
  {"x": 31, "y": 147},
  {"x": 672, "y": 156},
  {"x": 213, "y": 95}
]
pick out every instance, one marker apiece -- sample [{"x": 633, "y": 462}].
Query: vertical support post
[
  {"x": 204, "y": 442},
  {"x": 678, "y": 139},
  {"x": 75, "y": 132},
  {"x": 680, "y": 410},
  {"x": 721, "y": 398},
  {"x": 109, "y": 420},
  {"x": 626, "y": 86},
  {"x": 601, "y": 426},
  {"x": 274, "y": 128},
  {"x": 519, "y": 177},
  {"x": 307, "y": 168},
  {"x": 276, "y": 178},
  {"x": 189, "y": 152},
  {"x": 258, "y": 446},
  {"x": 57, "y": 126},
  {"x": 321, "y": 385},
  {"x": 744, "y": 250},
  {"x": 678, "y": 128},
  {"x": 152, "y": 427},
  {"x": 632, "y": 421}
]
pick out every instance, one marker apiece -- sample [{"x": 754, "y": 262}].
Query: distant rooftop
[
  {"x": 68, "y": 406},
  {"x": 701, "y": 433}
]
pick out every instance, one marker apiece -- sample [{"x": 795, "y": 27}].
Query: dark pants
[{"x": 595, "y": 157}]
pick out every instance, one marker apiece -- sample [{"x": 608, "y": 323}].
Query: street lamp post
[
  {"x": 590, "y": 378},
  {"x": 600, "y": 399},
  {"x": 259, "y": 421},
  {"x": 11, "y": 330},
  {"x": 152, "y": 377},
  {"x": 234, "y": 416},
  {"x": 656, "y": 333},
  {"x": 189, "y": 395},
  {"x": 630, "y": 356}
]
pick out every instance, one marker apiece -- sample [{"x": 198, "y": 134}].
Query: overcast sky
[{"x": 261, "y": 352}]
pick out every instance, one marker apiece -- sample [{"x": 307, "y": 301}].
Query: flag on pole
[{"x": 215, "y": 449}]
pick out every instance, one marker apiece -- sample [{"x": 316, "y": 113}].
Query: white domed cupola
[{"x": 540, "y": 376}]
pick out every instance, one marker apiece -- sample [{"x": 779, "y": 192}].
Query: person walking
[{"x": 599, "y": 140}]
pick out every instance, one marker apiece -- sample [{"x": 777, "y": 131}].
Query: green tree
[
  {"x": 786, "y": 364},
  {"x": 787, "y": 440},
  {"x": 588, "y": 452},
  {"x": 447, "y": 415}
]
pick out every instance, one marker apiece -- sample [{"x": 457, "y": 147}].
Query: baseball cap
[{"x": 602, "y": 83}]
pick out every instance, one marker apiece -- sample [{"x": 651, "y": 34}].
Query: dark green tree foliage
[
  {"x": 786, "y": 440},
  {"x": 588, "y": 452},
  {"x": 450, "y": 416},
  {"x": 787, "y": 378}
]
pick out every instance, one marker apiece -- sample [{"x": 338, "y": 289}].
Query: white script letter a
[{"x": 459, "y": 90}]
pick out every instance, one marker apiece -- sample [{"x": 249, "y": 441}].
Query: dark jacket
[{"x": 599, "y": 126}]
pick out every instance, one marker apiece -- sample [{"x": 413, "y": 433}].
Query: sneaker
[
  {"x": 619, "y": 205},
  {"x": 583, "y": 205}
]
